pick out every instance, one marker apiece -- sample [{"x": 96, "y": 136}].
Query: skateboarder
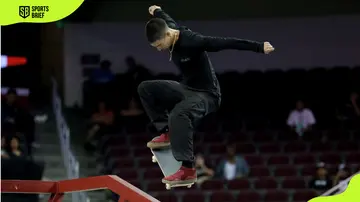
[{"x": 176, "y": 108}]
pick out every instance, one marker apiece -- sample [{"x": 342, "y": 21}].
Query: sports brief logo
[
  {"x": 34, "y": 11},
  {"x": 24, "y": 11}
]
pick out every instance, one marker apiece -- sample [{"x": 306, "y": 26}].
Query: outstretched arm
[
  {"x": 214, "y": 44},
  {"x": 157, "y": 12}
]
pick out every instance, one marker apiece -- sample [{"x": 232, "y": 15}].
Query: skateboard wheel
[
  {"x": 154, "y": 160},
  {"x": 168, "y": 187},
  {"x": 189, "y": 186}
]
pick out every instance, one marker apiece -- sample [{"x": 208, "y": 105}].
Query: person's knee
[
  {"x": 178, "y": 115},
  {"x": 143, "y": 86}
]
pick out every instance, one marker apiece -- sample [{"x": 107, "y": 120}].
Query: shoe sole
[
  {"x": 182, "y": 182},
  {"x": 160, "y": 145}
]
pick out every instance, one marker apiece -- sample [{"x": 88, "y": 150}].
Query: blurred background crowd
[{"x": 283, "y": 133}]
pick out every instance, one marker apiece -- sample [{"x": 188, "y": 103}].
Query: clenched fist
[
  {"x": 268, "y": 48},
  {"x": 153, "y": 8}
]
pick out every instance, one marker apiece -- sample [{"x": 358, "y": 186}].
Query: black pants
[{"x": 170, "y": 104}]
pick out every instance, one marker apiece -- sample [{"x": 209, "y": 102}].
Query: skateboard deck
[{"x": 167, "y": 163}]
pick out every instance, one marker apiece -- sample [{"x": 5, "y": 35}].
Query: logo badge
[{"x": 24, "y": 11}]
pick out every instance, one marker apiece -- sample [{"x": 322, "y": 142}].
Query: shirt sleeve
[
  {"x": 159, "y": 13},
  {"x": 214, "y": 44},
  {"x": 310, "y": 117},
  {"x": 291, "y": 119}
]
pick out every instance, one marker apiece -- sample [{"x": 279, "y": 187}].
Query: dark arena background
[{"x": 290, "y": 119}]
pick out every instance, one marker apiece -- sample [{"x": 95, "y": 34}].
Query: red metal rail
[{"x": 127, "y": 192}]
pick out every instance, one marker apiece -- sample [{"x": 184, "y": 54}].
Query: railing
[
  {"x": 339, "y": 187},
  {"x": 126, "y": 191}
]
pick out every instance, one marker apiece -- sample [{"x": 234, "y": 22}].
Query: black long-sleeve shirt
[{"x": 190, "y": 55}]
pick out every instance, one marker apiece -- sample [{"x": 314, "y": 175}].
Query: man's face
[
  {"x": 231, "y": 150},
  {"x": 299, "y": 105},
  {"x": 163, "y": 43},
  {"x": 322, "y": 172}
]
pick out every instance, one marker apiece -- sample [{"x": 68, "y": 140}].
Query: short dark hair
[{"x": 155, "y": 29}]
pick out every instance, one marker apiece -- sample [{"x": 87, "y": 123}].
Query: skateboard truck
[{"x": 168, "y": 186}]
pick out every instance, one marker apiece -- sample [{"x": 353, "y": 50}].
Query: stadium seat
[
  {"x": 266, "y": 183},
  {"x": 276, "y": 196},
  {"x": 294, "y": 183},
  {"x": 238, "y": 184},
  {"x": 278, "y": 160}
]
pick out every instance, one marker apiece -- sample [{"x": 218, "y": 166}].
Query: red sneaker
[
  {"x": 160, "y": 141},
  {"x": 182, "y": 176}
]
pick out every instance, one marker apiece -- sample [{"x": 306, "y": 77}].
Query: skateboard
[{"x": 168, "y": 164}]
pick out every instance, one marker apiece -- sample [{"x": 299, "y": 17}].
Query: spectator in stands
[
  {"x": 232, "y": 166},
  {"x": 321, "y": 181},
  {"x": 102, "y": 74},
  {"x": 4, "y": 153},
  {"x": 202, "y": 170},
  {"x": 342, "y": 174},
  {"x": 301, "y": 119},
  {"x": 15, "y": 150},
  {"x": 136, "y": 71},
  {"x": 17, "y": 118},
  {"x": 9, "y": 109},
  {"x": 101, "y": 122},
  {"x": 349, "y": 113},
  {"x": 355, "y": 103}
]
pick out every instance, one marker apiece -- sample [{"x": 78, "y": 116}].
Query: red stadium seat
[
  {"x": 294, "y": 183},
  {"x": 238, "y": 184},
  {"x": 266, "y": 183},
  {"x": 278, "y": 160}
]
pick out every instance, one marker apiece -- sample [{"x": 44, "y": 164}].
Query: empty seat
[
  {"x": 320, "y": 147},
  {"x": 294, "y": 183},
  {"x": 278, "y": 160},
  {"x": 142, "y": 152},
  {"x": 245, "y": 148},
  {"x": 304, "y": 159},
  {"x": 118, "y": 151},
  {"x": 128, "y": 174},
  {"x": 140, "y": 140},
  {"x": 266, "y": 183},
  {"x": 276, "y": 196},
  {"x": 308, "y": 170},
  {"x": 217, "y": 149},
  {"x": 269, "y": 148},
  {"x": 254, "y": 160},
  {"x": 154, "y": 173},
  {"x": 259, "y": 171},
  {"x": 115, "y": 141},
  {"x": 304, "y": 195},
  {"x": 353, "y": 158},
  {"x": 347, "y": 146},
  {"x": 213, "y": 185},
  {"x": 285, "y": 171},
  {"x": 123, "y": 163},
  {"x": 286, "y": 136},
  {"x": 213, "y": 138},
  {"x": 155, "y": 185},
  {"x": 193, "y": 196},
  {"x": 238, "y": 184},
  {"x": 237, "y": 137},
  {"x": 263, "y": 137},
  {"x": 295, "y": 147},
  {"x": 245, "y": 196},
  {"x": 167, "y": 197},
  {"x": 146, "y": 163},
  {"x": 330, "y": 158},
  {"x": 222, "y": 196}
]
